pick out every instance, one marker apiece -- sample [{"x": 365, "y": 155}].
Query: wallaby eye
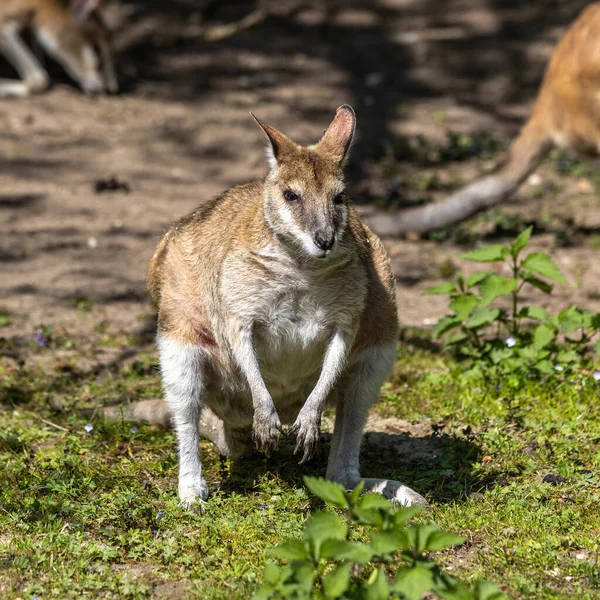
[
  {"x": 338, "y": 199},
  {"x": 290, "y": 196}
]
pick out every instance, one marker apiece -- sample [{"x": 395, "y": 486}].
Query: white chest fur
[{"x": 292, "y": 312}]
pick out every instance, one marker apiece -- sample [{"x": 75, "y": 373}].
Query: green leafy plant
[
  {"x": 330, "y": 562},
  {"x": 490, "y": 324}
]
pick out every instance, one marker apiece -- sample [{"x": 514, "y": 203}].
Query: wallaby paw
[
  {"x": 395, "y": 491},
  {"x": 308, "y": 434},
  {"x": 266, "y": 432},
  {"x": 193, "y": 494}
]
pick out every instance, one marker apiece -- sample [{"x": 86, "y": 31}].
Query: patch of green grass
[
  {"x": 568, "y": 164},
  {"x": 5, "y": 318},
  {"x": 95, "y": 514}
]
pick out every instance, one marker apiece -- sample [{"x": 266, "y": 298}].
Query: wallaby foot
[
  {"x": 357, "y": 393},
  {"x": 13, "y": 89},
  {"x": 395, "y": 491},
  {"x": 265, "y": 431},
  {"x": 192, "y": 490},
  {"x": 308, "y": 433}
]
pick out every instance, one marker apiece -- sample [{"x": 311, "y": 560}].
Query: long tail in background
[{"x": 525, "y": 154}]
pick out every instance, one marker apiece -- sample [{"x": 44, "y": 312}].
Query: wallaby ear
[
  {"x": 337, "y": 138},
  {"x": 279, "y": 143},
  {"x": 81, "y": 9}
]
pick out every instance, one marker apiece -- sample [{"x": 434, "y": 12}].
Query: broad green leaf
[
  {"x": 264, "y": 592},
  {"x": 596, "y": 321},
  {"x": 272, "y": 573},
  {"x": 356, "y": 492},
  {"x": 520, "y": 242},
  {"x": 457, "y": 338},
  {"x": 289, "y": 550},
  {"x": 495, "y": 286},
  {"x": 372, "y": 501},
  {"x": 529, "y": 353},
  {"x": 344, "y": 550},
  {"x": 417, "y": 536},
  {"x": 597, "y": 348},
  {"x": 458, "y": 591},
  {"x": 478, "y": 278},
  {"x": 329, "y": 491},
  {"x": 387, "y": 542},
  {"x": 566, "y": 357},
  {"x": 463, "y": 305},
  {"x": 542, "y": 264},
  {"x": 484, "y": 590},
  {"x": 335, "y": 582},
  {"x": 493, "y": 253},
  {"x": 377, "y": 587},
  {"x": 442, "y": 289},
  {"x": 443, "y": 539},
  {"x": 481, "y": 317},
  {"x": 535, "y": 282},
  {"x": 543, "y": 336},
  {"x": 403, "y": 515},
  {"x": 498, "y": 355},
  {"x": 322, "y": 526},
  {"x": 368, "y": 517},
  {"x": 544, "y": 366},
  {"x": 533, "y": 312},
  {"x": 304, "y": 575},
  {"x": 572, "y": 319},
  {"x": 444, "y": 325},
  {"x": 413, "y": 582}
]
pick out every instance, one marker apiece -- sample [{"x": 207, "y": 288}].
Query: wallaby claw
[
  {"x": 265, "y": 434},
  {"x": 308, "y": 434}
]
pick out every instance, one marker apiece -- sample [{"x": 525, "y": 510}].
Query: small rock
[
  {"x": 111, "y": 184},
  {"x": 554, "y": 479},
  {"x": 584, "y": 186},
  {"x": 374, "y": 79},
  {"x": 535, "y": 179}
]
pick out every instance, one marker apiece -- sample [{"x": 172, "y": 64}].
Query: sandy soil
[{"x": 180, "y": 133}]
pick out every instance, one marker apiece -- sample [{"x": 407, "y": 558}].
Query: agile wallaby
[
  {"x": 71, "y": 31},
  {"x": 566, "y": 114},
  {"x": 273, "y": 299}
]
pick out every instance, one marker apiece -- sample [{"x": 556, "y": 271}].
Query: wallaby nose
[{"x": 324, "y": 239}]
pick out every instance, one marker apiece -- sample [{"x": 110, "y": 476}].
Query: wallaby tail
[
  {"x": 154, "y": 412},
  {"x": 525, "y": 154}
]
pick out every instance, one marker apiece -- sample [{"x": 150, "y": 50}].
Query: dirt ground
[{"x": 180, "y": 132}]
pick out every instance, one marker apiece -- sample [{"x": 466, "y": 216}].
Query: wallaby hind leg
[
  {"x": 357, "y": 392},
  {"x": 34, "y": 76},
  {"x": 181, "y": 368},
  {"x": 230, "y": 442}
]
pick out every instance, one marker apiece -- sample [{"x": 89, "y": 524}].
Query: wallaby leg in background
[
  {"x": 23, "y": 60},
  {"x": 357, "y": 392},
  {"x": 181, "y": 369}
]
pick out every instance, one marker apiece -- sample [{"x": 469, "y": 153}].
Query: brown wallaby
[
  {"x": 71, "y": 31},
  {"x": 274, "y": 299},
  {"x": 566, "y": 114}
]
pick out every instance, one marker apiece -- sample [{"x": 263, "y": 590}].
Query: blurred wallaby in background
[
  {"x": 72, "y": 32},
  {"x": 566, "y": 114}
]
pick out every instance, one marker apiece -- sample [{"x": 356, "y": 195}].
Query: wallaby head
[
  {"x": 304, "y": 201},
  {"x": 81, "y": 44}
]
